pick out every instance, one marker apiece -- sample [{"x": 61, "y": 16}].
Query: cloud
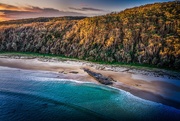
[
  {"x": 86, "y": 9},
  {"x": 8, "y": 12},
  {"x": 43, "y": 13},
  {"x": 7, "y": 7},
  {"x": 3, "y": 16}
]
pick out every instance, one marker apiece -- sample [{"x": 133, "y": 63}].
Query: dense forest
[{"x": 148, "y": 34}]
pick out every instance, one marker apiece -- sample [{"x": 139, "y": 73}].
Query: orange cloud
[
  {"x": 3, "y": 17},
  {"x": 9, "y": 12},
  {"x": 8, "y": 7},
  {"x": 18, "y": 8}
]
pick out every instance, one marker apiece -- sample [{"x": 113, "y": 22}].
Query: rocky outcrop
[{"x": 99, "y": 77}]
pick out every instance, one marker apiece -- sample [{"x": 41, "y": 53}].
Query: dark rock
[
  {"x": 99, "y": 77},
  {"x": 74, "y": 72},
  {"x": 61, "y": 71}
]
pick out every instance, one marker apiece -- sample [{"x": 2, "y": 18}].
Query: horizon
[{"x": 20, "y": 9}]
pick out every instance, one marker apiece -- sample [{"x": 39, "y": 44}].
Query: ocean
[{"x": 28, "y": 95}]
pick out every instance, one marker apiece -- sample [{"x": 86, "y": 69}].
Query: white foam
[{"x": 47, "y": 79}]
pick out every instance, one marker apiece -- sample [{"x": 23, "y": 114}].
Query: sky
[{"x": 20, "y": 9}]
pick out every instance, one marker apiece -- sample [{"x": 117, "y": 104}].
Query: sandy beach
[{"x": 156, "y": 85}]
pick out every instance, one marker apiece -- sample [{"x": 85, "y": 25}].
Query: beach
[{"x": 156, "y": 85}]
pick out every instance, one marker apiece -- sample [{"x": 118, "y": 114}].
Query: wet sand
[{"x": 150, "y": 87}]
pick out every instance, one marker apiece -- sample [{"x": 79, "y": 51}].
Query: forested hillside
[{"x": 147, "y": 34}]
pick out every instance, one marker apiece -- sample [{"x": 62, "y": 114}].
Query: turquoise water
[{"x": 40, "y": 96}]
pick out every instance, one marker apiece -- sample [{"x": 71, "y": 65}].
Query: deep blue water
[{"x": 39, "y": 96}]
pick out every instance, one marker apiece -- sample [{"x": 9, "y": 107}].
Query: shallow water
[{"x": 39, "y": 96}]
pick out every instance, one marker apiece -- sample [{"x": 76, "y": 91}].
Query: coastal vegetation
[{"x": 148, "y": 34}]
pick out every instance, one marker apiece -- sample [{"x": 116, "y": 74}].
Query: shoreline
[{"x": 151, "y": 89}]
